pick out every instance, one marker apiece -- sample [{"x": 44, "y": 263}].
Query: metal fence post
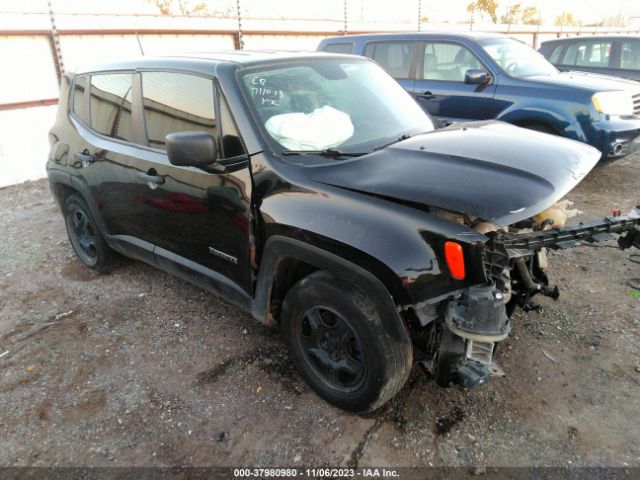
[
  {"x": 240, "y": 40},
  {"x": 55, "y": 44},
  {"x": 345, "y": 18}
]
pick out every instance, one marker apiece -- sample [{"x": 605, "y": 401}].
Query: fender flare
[
  {"x": 566, "y": 125},
  {"x": 61, "y": 177},
  {"x": 280, "y": 247}
]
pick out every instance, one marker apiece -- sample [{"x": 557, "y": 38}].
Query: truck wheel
[
  {"x": 86, "y": 240},
  {"x": 539, "y": 127},
  {"x": 337, "y": 342}
]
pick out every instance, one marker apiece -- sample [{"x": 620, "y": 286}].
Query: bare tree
[
  {"x": 488, "y": 7},
  {"x": 567, "y": 19},
  {"x": 512, "y": 15}
]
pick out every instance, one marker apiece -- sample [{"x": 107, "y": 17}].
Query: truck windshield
[
  {"x": 517, "y": 59},
  {"x": 314, "y": 105}
]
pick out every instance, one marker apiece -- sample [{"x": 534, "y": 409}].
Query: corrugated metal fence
[{"x": 29, "y": 85}]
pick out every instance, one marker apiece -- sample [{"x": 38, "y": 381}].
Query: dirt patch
[{"x": 149, "y": 370}]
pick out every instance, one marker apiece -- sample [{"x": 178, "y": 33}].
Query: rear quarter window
[
  {"x": 77, "y": 102},
  {"x": 338, "y": 48},
  {"x": 111, "y": 105}
]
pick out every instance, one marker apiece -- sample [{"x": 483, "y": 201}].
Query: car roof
[
  {"x": 417, "y": 35},
  {"x": 207, "y": 62},
  {"x": 592, "y": 37}
]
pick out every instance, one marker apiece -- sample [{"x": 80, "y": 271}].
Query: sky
[{"x": 588, "y": 11}]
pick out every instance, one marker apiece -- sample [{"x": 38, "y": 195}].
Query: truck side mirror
[
  {"x": 476, "y": 76},
  {"x": 191, "y": 149}
]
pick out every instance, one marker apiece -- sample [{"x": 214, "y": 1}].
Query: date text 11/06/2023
[{"x": 315, "y": 472}]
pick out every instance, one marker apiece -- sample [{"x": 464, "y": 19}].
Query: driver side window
[{"x": 447, "y": 62}]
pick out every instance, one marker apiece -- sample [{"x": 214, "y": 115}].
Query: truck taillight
[{"x": 454, "y": 256}]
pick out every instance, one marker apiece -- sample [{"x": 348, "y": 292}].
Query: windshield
[
  {"x": 353, "y": 106},
  {"x": 517, "y": 59}
]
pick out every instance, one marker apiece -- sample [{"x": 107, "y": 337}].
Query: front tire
[
  {"x": 85, "y": 237},
  {"x": 339, "y": 346}
]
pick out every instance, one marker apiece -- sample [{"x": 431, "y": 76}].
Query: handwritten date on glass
[{"x": 268, "y": 96}]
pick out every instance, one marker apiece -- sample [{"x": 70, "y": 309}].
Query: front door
[
  {"x": 191, "y": 215},
  {"x": 440, "y": 87}
]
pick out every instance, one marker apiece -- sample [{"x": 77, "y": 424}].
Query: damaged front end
[{"x": 459, "y": 347}]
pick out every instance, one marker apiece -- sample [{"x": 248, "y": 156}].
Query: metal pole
[
  {"x": 345, "y": 18},
  {"x": 240, "y": 39},
  {"x": 620, "y": 14},
  {"x": 56, "y": 43},
  {"x": 419, "y": 13}
]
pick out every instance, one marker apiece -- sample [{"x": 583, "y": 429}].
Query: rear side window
[
  {"x": 338, "y": 48},
  {"x": 397, "y": 58},
  {"x": 630, "y": 55},
  {"x": 77, "y": 98},
  {"x": 176, "y": 102},
  {"x": 448, "y": 62},
  {"x": 588, "y": 54},
  {"x": 111, "y": 105}
]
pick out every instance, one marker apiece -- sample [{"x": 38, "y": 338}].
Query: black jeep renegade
[{"x": 312, "y": 191}]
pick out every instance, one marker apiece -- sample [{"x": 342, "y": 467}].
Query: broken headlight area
[{"x": 457, "y": 334}]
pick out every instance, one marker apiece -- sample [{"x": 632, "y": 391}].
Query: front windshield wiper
[
  {"x": 406, "y": 136},
  {"x": 327, "y": 152}
]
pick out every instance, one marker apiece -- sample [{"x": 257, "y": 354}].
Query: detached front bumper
[{"x": 615, "y": 137}]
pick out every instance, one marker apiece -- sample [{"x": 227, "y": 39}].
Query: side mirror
[
  {"x": 476, "y": 76},
  {"x": 191, "y": 149}
]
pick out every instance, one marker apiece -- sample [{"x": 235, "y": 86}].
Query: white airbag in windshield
[{"x": 325, "y": 127}]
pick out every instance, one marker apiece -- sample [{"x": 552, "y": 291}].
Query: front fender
[{"x": 401, "y": 246}]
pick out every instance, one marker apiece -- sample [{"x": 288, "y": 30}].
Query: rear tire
[
  {"x": 85, "y": 237},
  {"x": 338, "y": 344}
]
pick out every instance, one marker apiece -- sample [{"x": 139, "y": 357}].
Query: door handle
[
  {"x": 85, "y": 159},
  {"x": 151, "y": 178},
  {"x": 427, "y": 95}
]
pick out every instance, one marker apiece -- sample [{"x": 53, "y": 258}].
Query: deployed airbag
[{"x": 325, "y": 127}]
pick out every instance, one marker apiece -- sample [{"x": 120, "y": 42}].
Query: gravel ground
[{"x": 135, "y": 367}]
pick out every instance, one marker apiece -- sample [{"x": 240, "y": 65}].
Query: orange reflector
[{"x": 455, "y": 259}]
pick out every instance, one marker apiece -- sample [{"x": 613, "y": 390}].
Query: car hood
[
  {"x": 491, "y": 170},
  {"x": 588, "y": 81}
]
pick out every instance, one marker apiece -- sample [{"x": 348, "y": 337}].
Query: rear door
[
  {"x": 398, "y": 58},
  {"x": 103, "y": 160},
  {"x": 440, "y": 87}
]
